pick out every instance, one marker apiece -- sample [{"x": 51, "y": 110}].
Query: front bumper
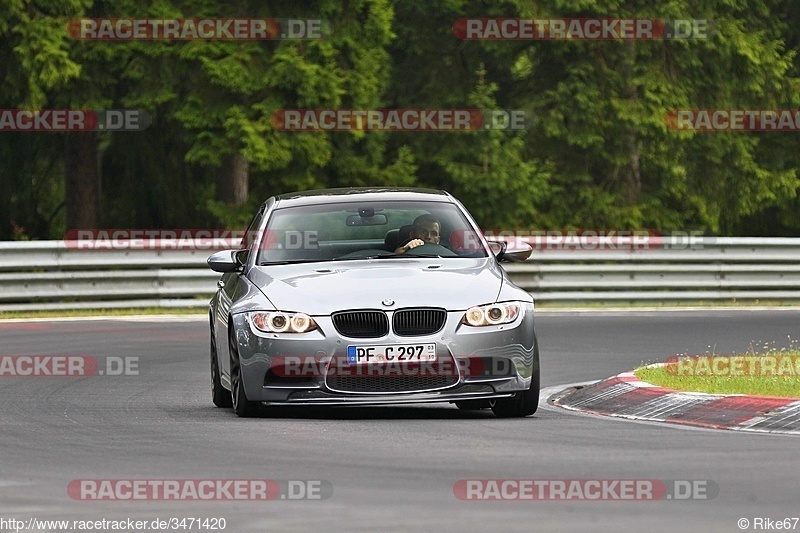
[
  {"x": 318, "y": 397},
  {"x": 488, "y": 362}
]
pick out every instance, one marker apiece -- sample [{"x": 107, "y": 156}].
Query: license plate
[{"x": 359, "y": 355}]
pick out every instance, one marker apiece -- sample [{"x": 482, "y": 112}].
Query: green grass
[
  {"x": 776, "y": 373},
  {"x": 200, "y": 310},
  {"x": 632, "y": 304}
]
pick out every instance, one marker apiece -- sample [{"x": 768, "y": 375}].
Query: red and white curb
[{"x": 626, "y": 396}]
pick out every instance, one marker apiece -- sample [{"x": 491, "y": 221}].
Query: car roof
[{"x": 361, "y": 194}]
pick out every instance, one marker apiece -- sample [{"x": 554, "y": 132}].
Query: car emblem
[{"x": 387, "y": 302}]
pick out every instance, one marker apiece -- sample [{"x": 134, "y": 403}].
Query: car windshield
[{"x": 361, "y": 230}]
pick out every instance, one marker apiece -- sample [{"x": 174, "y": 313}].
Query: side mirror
[
  {"x": 517, "y": 253},
  {"x": 224, "y": 261},
  {"x": 498, "y": 248},
  {"x": 514, "y": 253}
]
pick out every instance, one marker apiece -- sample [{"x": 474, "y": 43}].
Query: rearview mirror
[{"x": 374, "y": 220}]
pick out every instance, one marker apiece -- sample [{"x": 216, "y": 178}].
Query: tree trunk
[
  {"x": 233, "y": 180},
  {"x": 82, "y": 180},
  {"x": 633, "y": 172}
]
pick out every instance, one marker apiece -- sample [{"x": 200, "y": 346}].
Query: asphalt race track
[{"x": 390, "y": 468}]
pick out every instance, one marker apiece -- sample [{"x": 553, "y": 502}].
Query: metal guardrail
[{"x": 50, "y": 275}]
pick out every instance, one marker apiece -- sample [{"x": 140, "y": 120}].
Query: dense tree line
[{"x": 597, "y": 152}]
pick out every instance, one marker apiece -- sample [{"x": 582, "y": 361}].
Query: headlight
[
  {"x": 491, "y": 315},
  {"x": 282, "y": 322}
]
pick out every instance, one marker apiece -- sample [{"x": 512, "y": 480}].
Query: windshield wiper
[
  {"x": 362, "y": 257},
  {"x": 291, "y": 262},
  {"x": 386, "y": 256}
]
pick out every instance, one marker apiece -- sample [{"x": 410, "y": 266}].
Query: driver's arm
[{"x": 413, "y": 243}]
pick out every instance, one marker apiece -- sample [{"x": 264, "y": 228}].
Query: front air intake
[
  {"x": 361, "y": 324},
  {"x": 415, "y": 322}
]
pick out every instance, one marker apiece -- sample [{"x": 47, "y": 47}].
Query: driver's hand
[{"x": 413, "y": 244}]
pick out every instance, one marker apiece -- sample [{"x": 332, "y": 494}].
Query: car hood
[{"x": 323, "y": 288}]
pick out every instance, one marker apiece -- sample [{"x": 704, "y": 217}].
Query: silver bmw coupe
[{"x": 371, "y": 296}]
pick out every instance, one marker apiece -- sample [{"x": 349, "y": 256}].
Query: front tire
[
  {"x": 523, "y": 403},
  {"x": 219, "y": 394},
  {"x": 241, "y": 405}
]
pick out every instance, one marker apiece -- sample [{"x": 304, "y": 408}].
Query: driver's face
[{"x": 428, "y": 232}]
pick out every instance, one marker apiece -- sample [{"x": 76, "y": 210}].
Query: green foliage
[
  {"x": 233, "y": 217},
  {"x": 597, "y": 151},
  {"x": 488, "y": 170}
]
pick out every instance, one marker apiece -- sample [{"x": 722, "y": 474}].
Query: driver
[{"x": 425, "y": 231}]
